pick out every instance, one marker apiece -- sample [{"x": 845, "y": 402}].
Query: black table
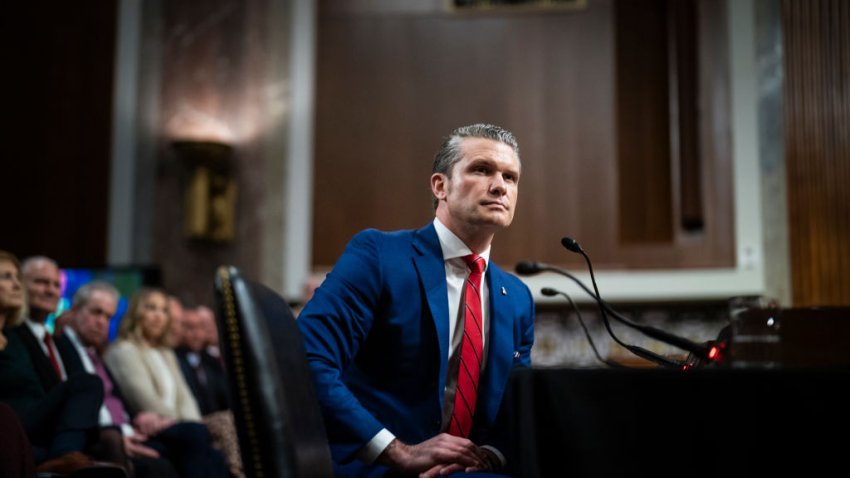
[{"x": 702, "y": 422}]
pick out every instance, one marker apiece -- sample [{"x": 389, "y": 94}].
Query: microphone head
[
  {"x": 525, "y": 268},
  {"x": 548, "y": 292},
  {"x": 571, "y": 245}
]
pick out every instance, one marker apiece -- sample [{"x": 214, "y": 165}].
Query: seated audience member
[
  {"x": 176, "y": 311},
  {"x": 146, "y": 369},
  {"x": 215, "y": 406},
  {"x": 60, "y": 423},
  {"x": 143, "y": 364},
  {"x": 186, "y": 445},
  {"x": 210, "y": 333},
  {"x": 50, "y": 353},
  {"x": 203, "y": 372},
  {"x": 41, "y": 282}
]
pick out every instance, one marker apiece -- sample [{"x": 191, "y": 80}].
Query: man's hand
[
  {"x": 150, "y": 423},
  {"x": 439, "y": 455},
  {"x": 135, "y": 447},
  {"x": 489, "y": 462}
]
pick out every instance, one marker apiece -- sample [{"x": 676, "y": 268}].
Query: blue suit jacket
[{"x": 376, "y": 335}]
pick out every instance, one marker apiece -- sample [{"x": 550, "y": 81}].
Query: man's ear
[{"x": 439, "y": 183}]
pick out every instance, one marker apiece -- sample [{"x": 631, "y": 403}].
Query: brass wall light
[{"x": 209, "y": 190}]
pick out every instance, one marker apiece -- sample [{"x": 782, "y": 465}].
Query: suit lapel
[
  {"x": 432, "y": 276},
  {"x": 500, "y": 351},
  {"x": 40, "y": 361},
  {"x": 69, "y": 356}
]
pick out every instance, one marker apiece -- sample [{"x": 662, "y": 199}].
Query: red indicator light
[{"x": 713, "y": 353}]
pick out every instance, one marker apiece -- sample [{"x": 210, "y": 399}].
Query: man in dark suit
[
  {"x": 204, "y": 373},
  {"x": 55, "y": 360},
  {"x": 410, "y": 347},
  {"x": 41, "y": 280},
  {"x": 59, "y": 411},
  {"x": 147, "y": 436}
]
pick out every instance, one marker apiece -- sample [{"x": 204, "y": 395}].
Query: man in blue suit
[{"x": 385, "y": 333}]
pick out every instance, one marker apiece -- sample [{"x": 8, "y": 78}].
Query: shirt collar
[
  {"x": 452, "y": 246},
  {"x": 72, "y": 336},
  {"x": 38, "y": 329}
]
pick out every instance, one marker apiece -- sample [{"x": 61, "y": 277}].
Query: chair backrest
[{"x": 273, "y": 397}]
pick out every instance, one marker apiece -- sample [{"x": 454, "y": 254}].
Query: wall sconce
[{"x": 209, "y": 193}]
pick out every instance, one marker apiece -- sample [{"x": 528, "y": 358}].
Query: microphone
[
  {"x": 525, "y": 268},
  {"x": 571, "y": 245},
  {"x": 682, "y": 343},
  {"x": 698, "y": 350},
  {"x": 550, "y": 292}
]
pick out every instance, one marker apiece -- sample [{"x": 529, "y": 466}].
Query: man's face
[
  {"x": 154, "y": 316},
  {"x": 208, "y": 324},
  {"x": 194, "y": 335},
  {"x": 91, "y": 320},
  {"x": 41, "y": 280},
  {"x": 11, "y": 292},
  {"x": 482, "y": 190}
]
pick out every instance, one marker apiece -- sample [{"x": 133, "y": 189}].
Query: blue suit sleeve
[{"x": 334, "y": 324}]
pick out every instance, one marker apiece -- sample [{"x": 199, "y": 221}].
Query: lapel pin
[{"x": 504, "y": 292}]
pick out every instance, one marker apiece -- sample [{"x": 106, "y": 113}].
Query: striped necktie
[{"x": 471, "y": 350}]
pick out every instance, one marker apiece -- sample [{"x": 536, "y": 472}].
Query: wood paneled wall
[
  {"x": 817, "y": 143},
  {"x": 394, "y": 77}
]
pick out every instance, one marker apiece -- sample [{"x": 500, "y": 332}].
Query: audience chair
[{"x": 277, "y": 414}]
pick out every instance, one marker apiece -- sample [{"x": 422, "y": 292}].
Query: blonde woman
[
  {"x": 12, "y": 304},
  {"x": 146, "y": 369},
  {"x": 144, "y": 365}
]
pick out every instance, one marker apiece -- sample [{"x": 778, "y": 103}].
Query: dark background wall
[{"x": 58, "y": 105}]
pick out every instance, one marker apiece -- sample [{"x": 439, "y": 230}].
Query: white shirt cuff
[{"x": 372, "y": 450}]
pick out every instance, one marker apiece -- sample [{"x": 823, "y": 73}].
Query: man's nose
[{"x": 498, "y": 186}]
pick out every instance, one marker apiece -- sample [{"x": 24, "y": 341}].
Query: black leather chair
[{"x": 278, "y": 420}]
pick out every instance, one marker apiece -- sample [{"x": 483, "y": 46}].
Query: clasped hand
[{"x": 438, "y": 456}]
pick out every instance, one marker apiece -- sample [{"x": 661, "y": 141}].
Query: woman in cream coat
[
  {"x": 146, "y": 369},
  {"x": 144, "y": 365}
]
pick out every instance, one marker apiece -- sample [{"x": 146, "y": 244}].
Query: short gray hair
[
  {"x": 450, "y": 152},
  {"x": 29, "y": 262},
  {"x": 84, "y": 293}
]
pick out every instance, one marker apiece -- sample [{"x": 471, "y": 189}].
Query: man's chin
[{"x": 496, "y": 222}]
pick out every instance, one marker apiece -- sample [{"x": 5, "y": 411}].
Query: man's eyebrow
[{"x": 482, "y": 159}]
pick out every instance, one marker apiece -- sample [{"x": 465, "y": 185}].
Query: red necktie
[
  {"x": 471, "y": 351},
  {"x": 48, "y": 342}
]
